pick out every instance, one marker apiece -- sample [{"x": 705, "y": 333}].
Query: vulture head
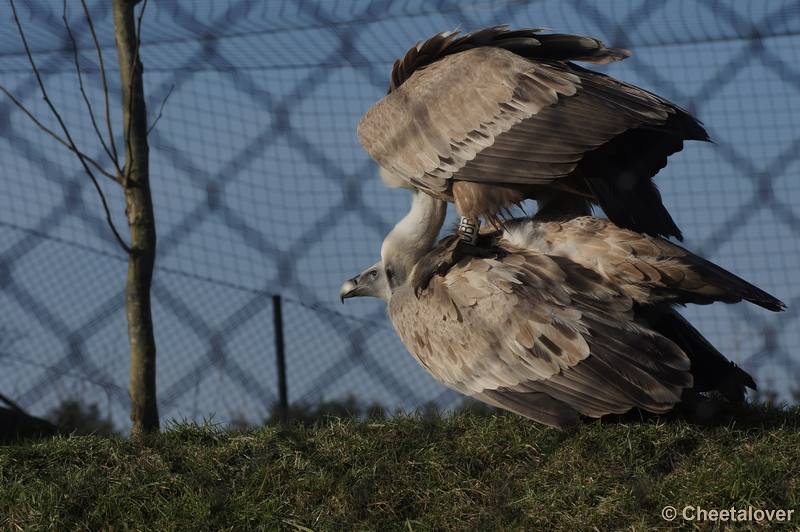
[
  {"x": 404, "y": 246},
  {"x": 371, "y": 282}
]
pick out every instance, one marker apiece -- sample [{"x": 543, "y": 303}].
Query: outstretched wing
[
  {"x": 481, "y": 113},
  {"x": 488, "y": 115}
]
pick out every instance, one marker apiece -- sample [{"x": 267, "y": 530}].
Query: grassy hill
[{"x": 465, "y": 472}]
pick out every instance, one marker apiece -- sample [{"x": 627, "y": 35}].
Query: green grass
[{"x": 465, "y": 472}]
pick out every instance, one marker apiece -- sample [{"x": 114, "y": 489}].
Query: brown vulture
[
  {"x": 494, "y": 117},
  {"x": 574, "y": 316}
]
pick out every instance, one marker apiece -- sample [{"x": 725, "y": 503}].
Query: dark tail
[{"x": 710, "y": 369}]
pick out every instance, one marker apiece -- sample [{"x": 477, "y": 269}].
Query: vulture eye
[
  {"x": 390, "y": 272},
  {"x": 373, "y": 274}
]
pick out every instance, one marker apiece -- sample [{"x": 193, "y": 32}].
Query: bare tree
[{"x": 134, "y": 178}]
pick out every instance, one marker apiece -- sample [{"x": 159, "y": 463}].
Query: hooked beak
[{"x": 349, "y": 289}]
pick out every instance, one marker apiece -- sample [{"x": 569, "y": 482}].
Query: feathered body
[{"x": 575, "y": 316}]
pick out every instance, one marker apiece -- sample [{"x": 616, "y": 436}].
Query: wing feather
[
  {"x": 509, "y": 330},
  {"x": 494, "y": 107},
  {"x": 648, "y": 269},
  {"x": 509, "y": 109}
]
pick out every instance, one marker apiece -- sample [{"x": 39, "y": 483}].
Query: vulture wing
[
  {"x": 542, "y": 337},
  {"x": 648, "y": 269},
  {"x": 505, "y": 115}
]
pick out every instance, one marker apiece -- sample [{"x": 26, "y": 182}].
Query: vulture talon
[
  {"x": 439, "y": 262},
  {"x": 435, "y": 262}
]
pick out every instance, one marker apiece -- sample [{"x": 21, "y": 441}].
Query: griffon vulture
[
  {"x": 575, "y": 316},
  {"x": 494, "y": 117}
]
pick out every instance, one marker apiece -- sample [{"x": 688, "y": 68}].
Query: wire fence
[{"x": 260, "y": 188}]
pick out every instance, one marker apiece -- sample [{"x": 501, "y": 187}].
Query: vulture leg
[
  {"x": 442, "y": 258},
  {"x": 468, "y": 230}
]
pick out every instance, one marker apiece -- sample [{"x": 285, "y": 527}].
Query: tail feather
[
  {"x": 733, "y": 284},
  {"x": 710, "y": 369}
]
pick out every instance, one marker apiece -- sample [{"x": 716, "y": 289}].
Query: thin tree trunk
[{"x": 139, "y": 209}]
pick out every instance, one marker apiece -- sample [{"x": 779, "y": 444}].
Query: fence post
[{"x": 283, "y": 405}]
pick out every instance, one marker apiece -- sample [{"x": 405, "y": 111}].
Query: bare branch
[
  {"x": 55, "y": 136},
  {"x": 83, "y": 92},
  {"x": 114, "y": 155},
  {"x": 69, "y": 143},
  {"x": 161, "y": 110},
  {"x": 108, "y": 213}
]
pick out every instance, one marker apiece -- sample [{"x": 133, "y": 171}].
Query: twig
[
  {"x": 160, "y": 110},
  {"x": 83, "y": 92},
  {"x": 55, "y": 136},
  {"x": 114, "y": 156},
  {"x": 71, "y": 144}
]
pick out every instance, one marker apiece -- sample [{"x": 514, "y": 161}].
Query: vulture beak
[
  {"x": 349, "y": 289},
  {"x": 369, "y": 283}
]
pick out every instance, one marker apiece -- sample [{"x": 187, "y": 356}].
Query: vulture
[
  {"x": 492, "y": 118},
  {"x": 573, "y": 316}
]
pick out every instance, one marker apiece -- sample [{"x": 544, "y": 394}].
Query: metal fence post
[{"x": 283, "y": 405}]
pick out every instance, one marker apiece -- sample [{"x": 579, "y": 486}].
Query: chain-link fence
[{"x": 260, "y": 188}]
